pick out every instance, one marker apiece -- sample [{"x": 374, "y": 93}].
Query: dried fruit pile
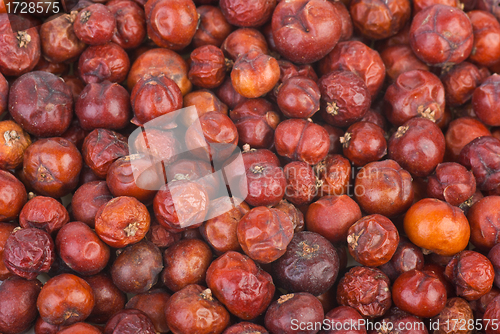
[{"x": 340, "y": 132}]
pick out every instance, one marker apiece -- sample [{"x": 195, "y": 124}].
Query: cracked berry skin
[
  {"x": 65, "y": 299},
  {"x": 366, "y": 290},
  {"x": 103, "y": 62},
  {"x": 52, "y": 166},
  {"x": 302, "y": 140},
  {"x": 310, "y": 264},
  {"x": 441, "y": 35},
  {"x": 485, "y": 101},
  {"x": 415, "y": 93},
  {"x": 305, "y": 31},
  {"x": 41, "y": 103}
]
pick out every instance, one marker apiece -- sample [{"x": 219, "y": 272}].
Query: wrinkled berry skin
[
  {"x": 186, "y": 262},
  {"x": 171, "y": 24},
  {"x": 276, "y": 232},
  {"x": 472, "y": 274},
  {"x": 228, "y": 277},
  {"x": 484, "y": 220},
  {"x": 122, "y": 221},
  {"x": 95, "y": 25},
  {"x": 101, "y": 148},
  {"x": 456, "y": 311},
  {"x": 377, "y": 19},
  {"x": 19, "y": 51},
  {"x": 298, "y": 97},
  {"x": 452, "y": 183},
  {"x": 4, "y": 93},
  {"x": 482, "y": 157},
  {"x": 29, "y": 252},
  {"x": 45, "y": 213},
  {"x": 345, "y": 98},
  {"x": 310, "y": 264},
  {"x": 103, "y": 62},
  {"x": 194, "y": 310},
  {"x": 360, "y": 238},
  {"x": 129, "y": 321},
  {"x": 358, "y": 58},
  {"x": 366, "y": 290},
  {"x": 154, "y": 96}
]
